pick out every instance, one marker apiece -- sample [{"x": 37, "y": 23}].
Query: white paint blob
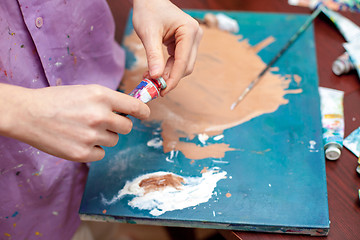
[
  {"x": 218, "y": 137},
  {"x": 191, "y": 192},
  {"x": 312, "y": 144},
  {"x": 203, "y": 137},
  {"x": 155, "y": 143}
]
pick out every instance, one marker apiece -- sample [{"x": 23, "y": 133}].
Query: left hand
[{"x": 159, "y": 22}]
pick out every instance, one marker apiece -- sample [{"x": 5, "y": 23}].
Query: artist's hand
[
  {"x": 159, "y": 22},
  {"x": 70, "y": 122}
]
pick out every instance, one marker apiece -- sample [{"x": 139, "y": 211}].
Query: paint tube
[
  {"x": 351, "y": 33},
  {"x": 349, "y": 30},
  {"x": 342, "y": 64},
  {"x": 352, "y": 142},
  {"x": 353, "y": 48},
  {"x": 148, "y": 89},
  {"x": 221, "y": 21},
  {"x": 332, "y": 114},
  {"x": 344, "y": 5}
]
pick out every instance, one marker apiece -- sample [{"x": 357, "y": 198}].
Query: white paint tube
[
  {"x": 349, "y": 30},
  {"x": 332, "y": 113},
  {"x": 221, "y": 21},
  {"x": 342, "y": 64},
  {"x": 351, "y": 33}
]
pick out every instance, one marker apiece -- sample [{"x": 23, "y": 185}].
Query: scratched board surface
[{"x": 276, "y": 183}]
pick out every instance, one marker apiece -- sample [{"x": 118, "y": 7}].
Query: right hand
[
  {"x": 159, "y": 22},
  {"x": 70, "y": 122}
]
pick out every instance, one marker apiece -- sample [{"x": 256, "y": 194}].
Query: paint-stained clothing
[{"x": 48, "y": 43}]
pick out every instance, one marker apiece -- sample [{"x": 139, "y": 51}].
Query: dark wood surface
[{"x": 342, "y": 179}]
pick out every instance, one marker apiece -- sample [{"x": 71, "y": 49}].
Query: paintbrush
[{"x": 280, "y": 53}]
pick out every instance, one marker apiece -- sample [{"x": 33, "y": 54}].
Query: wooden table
[{"x": 343, "y": 181}]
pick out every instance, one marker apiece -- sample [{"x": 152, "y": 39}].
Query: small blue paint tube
[{"x": 332, "y": 113}]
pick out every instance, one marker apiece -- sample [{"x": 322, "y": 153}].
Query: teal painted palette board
[{"x": 276, "y": 183}]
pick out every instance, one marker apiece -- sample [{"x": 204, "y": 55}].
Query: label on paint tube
[
  {"x": 332, "y": 114},
  {"x": 145, "y": 91}
]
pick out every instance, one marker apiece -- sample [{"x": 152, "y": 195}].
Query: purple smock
[{"x": 49, "y": 43}]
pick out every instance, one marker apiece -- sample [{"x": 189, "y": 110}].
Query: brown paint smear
[
  {"x": 201, "y": 102},
  {"x": 204, "y": 170},
  {"x": 157, "y": 183}
]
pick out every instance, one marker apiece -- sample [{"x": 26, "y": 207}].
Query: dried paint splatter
[{"x": 11, "y": 33}]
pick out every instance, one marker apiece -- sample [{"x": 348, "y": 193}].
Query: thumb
[{"x": 154, "y": 55}]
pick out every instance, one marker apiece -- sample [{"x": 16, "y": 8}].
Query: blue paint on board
[{"x": 276, "y": 183}]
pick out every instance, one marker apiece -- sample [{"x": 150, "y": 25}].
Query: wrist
[{"x": 12, "y": 100}]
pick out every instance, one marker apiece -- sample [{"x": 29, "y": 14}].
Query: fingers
[
  {"x": 96, "y": 154},
  {"x": 183, "y": 60},
  {"x": 91, "y": 150},
  {"x": 106, "y": 135},
  {"x": 194, "y": 51},
  {"x": 119, "y": 124},
  {"x": 169, "y": 66},
  {"x": 104, "y": 126},
  {"x": 129, "y": 105},
  {"x": 107, "y": 138},
  {"x": 172, "y": 27},
  {"x": 153, "y": 48},
  {"x": 182, "y": 54},
  {"x": 126, "y": 105}
]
